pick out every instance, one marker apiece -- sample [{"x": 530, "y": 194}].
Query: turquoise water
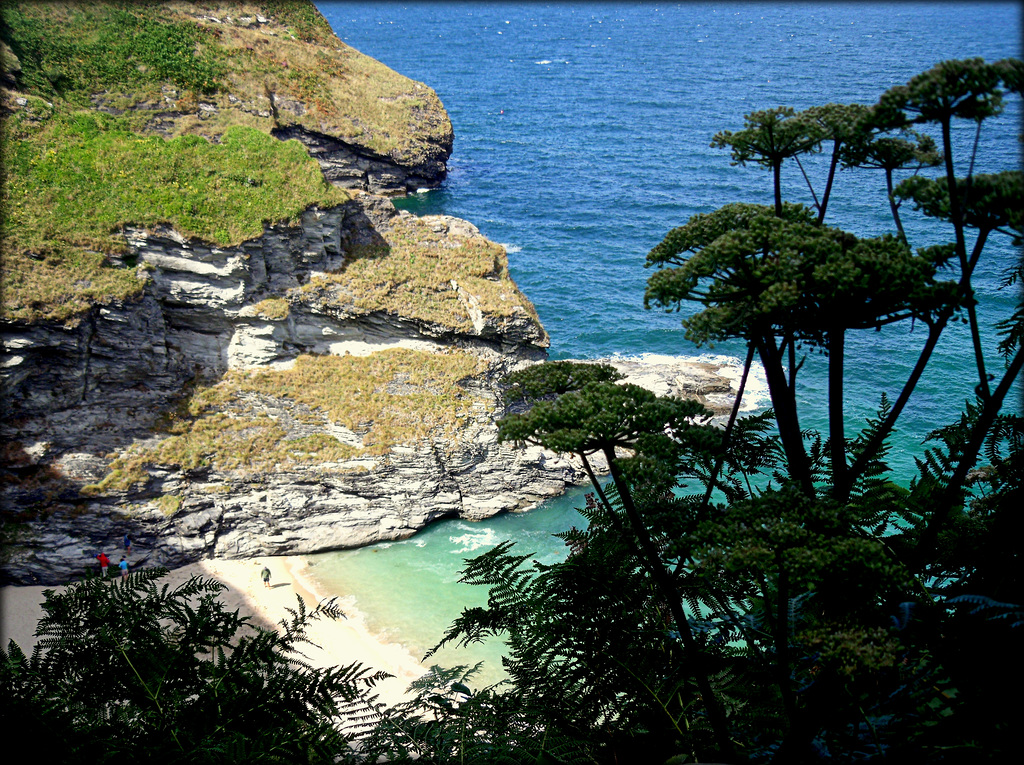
[
  {"x": 582, "y": 135},
  {"x": 409, "y": 591}
]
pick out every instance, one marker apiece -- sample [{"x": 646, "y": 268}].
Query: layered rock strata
[
  {"x": 80, "y": 397},
  {"x": 326, "y": 384},
  {"x": 177, "y": 514}
]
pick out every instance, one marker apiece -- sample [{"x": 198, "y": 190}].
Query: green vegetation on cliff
[
  {"x": 73, "y": 51},
  {"x": 391, "y": 397},
  {"x": 76, "y": 180},
  {"x": 98, "y": 88},
  {"x": 426, "y": 271},
  {"x": 158, "y": 59}
]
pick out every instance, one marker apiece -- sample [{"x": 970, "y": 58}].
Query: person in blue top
[
  {"x": 127, "y": 545},
  {"x": 123, "y": 565}
]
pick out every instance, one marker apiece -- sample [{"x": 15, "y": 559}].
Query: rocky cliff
[
  {"x": 174, "y": 369},
  {"x": 175, "y": 68},
  {"x": 218, "y": 340},
  {"x": 148, "y": 416}
]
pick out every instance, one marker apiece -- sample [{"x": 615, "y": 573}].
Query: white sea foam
[
  {"x": 545, "y": 61},
  {"x": 474, "y": 540},
  {"x": 511, "y": 247}
]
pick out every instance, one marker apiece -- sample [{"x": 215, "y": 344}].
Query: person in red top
[{"x": 104, "y": 562}]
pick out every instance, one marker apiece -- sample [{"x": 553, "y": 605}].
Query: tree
[
  {"x": 135, "y": 669},
  {"x": 760, "y": 592}
]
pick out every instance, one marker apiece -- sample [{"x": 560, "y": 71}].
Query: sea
[{"x": 582, "y": 136}]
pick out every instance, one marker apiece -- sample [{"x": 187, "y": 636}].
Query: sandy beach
[{"x": 340, "y": 642}]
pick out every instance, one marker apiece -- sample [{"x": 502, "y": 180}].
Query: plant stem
[
  {"x": 837, "y": 436},
  {"x": 728, "y": 431},
  {"x": 954, "y": 487},
  {"x": 662, "y": 580},
  {"x": 786, "y": 418}
]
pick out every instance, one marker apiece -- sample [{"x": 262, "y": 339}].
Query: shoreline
[
  {"x": 361, "y": 507},
  {"x": 338, "y": 643}
]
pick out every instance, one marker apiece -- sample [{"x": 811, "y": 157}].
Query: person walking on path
[
  {"x": 123, "y": 565},
  {"x": 266, "y": 577},
  {"x": 104, "y": 562},
  {"x": 127, "y": 546}
]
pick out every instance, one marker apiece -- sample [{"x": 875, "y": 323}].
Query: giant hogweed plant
[{"x": 760, "y": 592}]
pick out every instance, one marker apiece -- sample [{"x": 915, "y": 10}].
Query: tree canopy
[{"x": 761, "y": 592}]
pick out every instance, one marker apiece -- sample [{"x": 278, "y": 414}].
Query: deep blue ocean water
[{"x": 582, "y": 135}]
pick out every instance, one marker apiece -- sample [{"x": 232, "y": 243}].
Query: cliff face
[
  {"x": 106, "y": 434},
  {"x": 173, "y": 369},
  {"x": 216, "y": 345},
  {"x": 349, "y": 165}
]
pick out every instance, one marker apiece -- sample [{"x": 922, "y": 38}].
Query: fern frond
[{"x": 991, "y": 609}]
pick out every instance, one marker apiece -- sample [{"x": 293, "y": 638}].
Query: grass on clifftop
[
  {"x": 70, "y": 51},
  {"x": 74, "y": 179},
  {"x": 419, "y": 272},
  {"x": 73, "y": 182},
  {"x": 265, "y": 421},
  {"x": 152, "y": 60}
]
